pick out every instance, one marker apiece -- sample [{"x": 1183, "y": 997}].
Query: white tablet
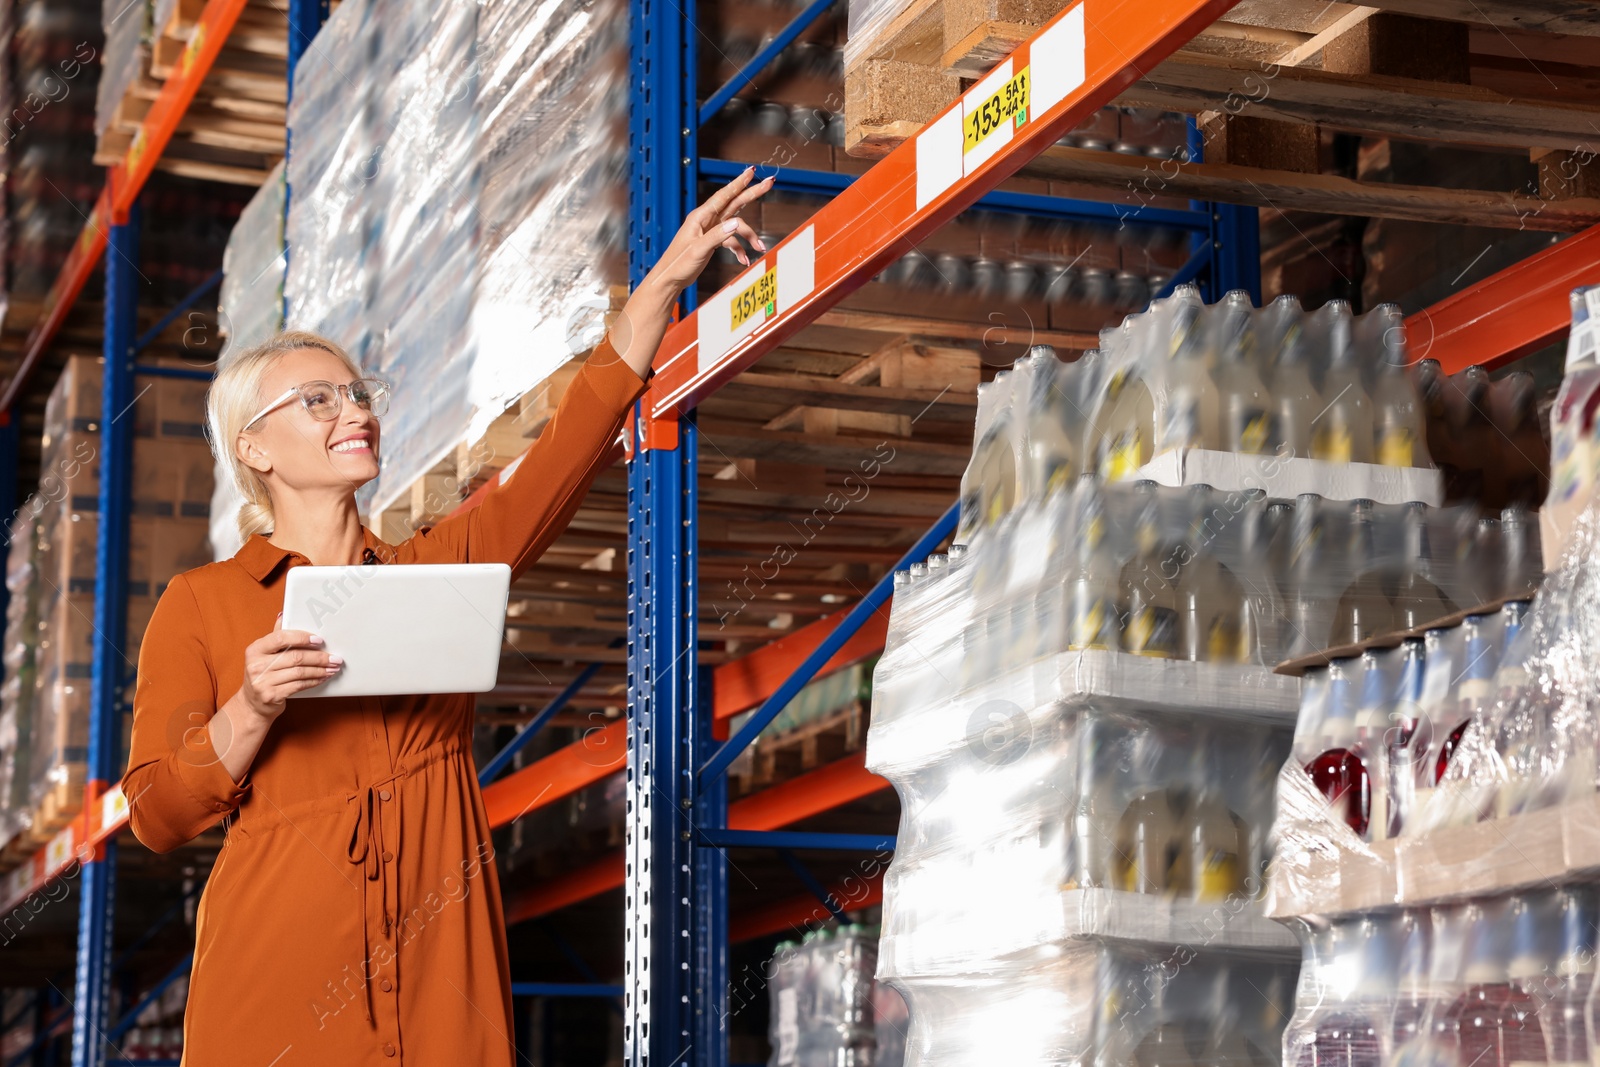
[{"x": 403, "y": 628}]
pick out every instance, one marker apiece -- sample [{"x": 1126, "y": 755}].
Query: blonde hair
[{"x": 234, "y": 396}]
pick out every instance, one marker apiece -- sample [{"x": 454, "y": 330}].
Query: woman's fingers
[
  {"x": 750, "y": 195},
  {"x": 717, "y": 204},
  {"x": 280, "y": 640}
]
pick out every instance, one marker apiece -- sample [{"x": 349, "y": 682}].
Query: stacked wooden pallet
[
  {"x": 234, "y": 130},
  {"x": 1268, "y": 76}
]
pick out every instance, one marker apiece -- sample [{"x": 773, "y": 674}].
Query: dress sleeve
[
  {"x": 175, "y": 783},
  {"x": 534, "y": 498}
]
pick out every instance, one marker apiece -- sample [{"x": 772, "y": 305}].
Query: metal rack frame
[{"x": 679, "y": 822}]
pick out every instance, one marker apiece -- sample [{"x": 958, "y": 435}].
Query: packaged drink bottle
[
  {"x": 1417, "y": 600},
  {"x": 1187, "y": 408},
  {"x": 1397, "y": 409},
  {"x": 1308, "y": 623},
  {"x": 1474, "y": 693},
  {"x": 1405, "y": 719},
  {"x": 1363, "y": 611},
  {"x": 1438, "y": 1040},
  {"x": 1485, "y": 564},
  {"x": 1148, "y": 588},
  {"x": 1494, "y": 1021},
  {"x": 1343, "y": 432},
  {"x": 1372, "y": 733},
  {"x": 1147, "y": 842},
  {"x": 1126, "y": 420},
  {"x": 1337, "y": 772},
  {"x": 1522, "y": 565},
  {"x": 1520, "y": 735},
  {"x": 1054, "y": 429},
  {"x": 1314, "y": 994},
  {"x": 1443, "y": 653},
  {"x": 988, "y": 485},
  {"x": 1259, "y": 608},
  {"x": 1092, "y": 616},
  {"x": 1409, "y": 1021},
  {"x": 1349, "y": 1034},
  {"x": 1567, "y": 1015},
  {"x": 1214, "y": 840},
  {"x": 1297, "y": 401},
  {"x": 1247, "y": 414},
  {"x": 1209, "y": 596},
  {"x": 1096, "y": 814}
]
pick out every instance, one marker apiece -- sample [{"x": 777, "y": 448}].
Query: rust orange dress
[{"x": 353, "y": 915}]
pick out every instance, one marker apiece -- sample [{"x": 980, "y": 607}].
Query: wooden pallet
[
  {"x": 1270, "y": 75},
  {"x": 59, "y": 806},
  {"x": 804, "y": 748},
  {"x": 233, "y": 131}
]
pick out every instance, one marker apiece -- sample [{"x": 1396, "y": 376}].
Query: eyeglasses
[{"x": 324, "y": 399}]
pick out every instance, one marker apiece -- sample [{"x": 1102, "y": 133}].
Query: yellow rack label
[
  {"x": 1008, "y": 106},
  {"x": 761, "y": 296}
]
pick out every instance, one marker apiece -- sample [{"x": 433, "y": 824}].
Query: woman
[{"x": 353, "y": 915}]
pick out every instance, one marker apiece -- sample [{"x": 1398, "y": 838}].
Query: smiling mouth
[{"x": 356, "y": 445}]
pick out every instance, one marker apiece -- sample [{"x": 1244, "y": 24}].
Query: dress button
[
  {"x": 383, "y": 794},
  {"x": 386, "y": 985},
  {"x": 388, "y": 1049},
  {"x": 388, "y": 856}
]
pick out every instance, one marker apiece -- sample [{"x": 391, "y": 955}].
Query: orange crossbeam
[
  {"x": 1510, "y": 313},
  {"x": 599, "y": 754},
  {"x": 850, "y": 892},
  {"x": 123, "y": 184},
  {"x": 799, "y": 798},
  {"x": 749, "y": 680}
]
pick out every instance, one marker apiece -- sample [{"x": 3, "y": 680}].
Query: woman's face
[{"x": 304, "y": 451}]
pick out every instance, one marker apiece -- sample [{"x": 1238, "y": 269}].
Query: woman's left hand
[{"x": 714, "y": 224}]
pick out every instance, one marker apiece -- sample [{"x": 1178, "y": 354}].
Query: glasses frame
[{"x": 341, "y": 391}]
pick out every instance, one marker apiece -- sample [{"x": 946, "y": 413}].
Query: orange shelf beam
[
  {"x": 746, "y": 682},
  {"x": 850, "y": 892},
  {"x": 124, "y": 182},
  {"x": 1511, "y": 313},
  {"x": 599, "y": 754}
]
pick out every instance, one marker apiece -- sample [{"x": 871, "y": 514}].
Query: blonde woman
[{"x": 353, "y": 915}]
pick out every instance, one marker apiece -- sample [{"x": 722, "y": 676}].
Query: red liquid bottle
[
  {"x": 1339, "y": 773},
  {"x": 1475, "y": 693},
  {"x": 1496, "y": 1021}
]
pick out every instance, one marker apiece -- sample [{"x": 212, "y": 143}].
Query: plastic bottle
[
  {"x": 1338, "y": 772},
  {"x": 1417, "y": 600},
  {"x": 992, "y": 467},
  {"x": 1522, "y": 565},
  {"x": 1209, "y": 596},
  {"x": 1188, "y": 407},
  {"x": 1054, "y": 428},
  {"x": 1405, "y": 719},
  {"x": 1438, "y": 1040},
  {"x": 1295, "y": 395},
  {"x": 1363, "y": 611},
  {"x": 1096, "y": 812},
  {"x": 1091, "y": 611},
  {"x": 1213, "y": 838},
  {"x": 1412, "y": 933},
  {"x": 1246, "y": 405},
  {"x": 1147, "y": 841},
  {"x": 1127, "y": 424},
  {"x": 1567, "y": 1014},
  {"x": 1149, "y": 597},
  {"x": 1343, "y": 432},
  {"x": 1493, "y": 1020},
  {"x": 1372, "y": 731},
  {"x": 1397, "y": 409},
  {"x": 1307, "y": 623},
  {"x": 1260, "y": 609},
  {"x": 1520, "y": 734},
  {"x": 1474, "y": 693}
]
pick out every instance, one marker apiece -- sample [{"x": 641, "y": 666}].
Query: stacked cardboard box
[{"x": 171, "y": 497}]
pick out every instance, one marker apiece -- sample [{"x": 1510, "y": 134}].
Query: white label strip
[
  {"x": 795, "y": 265},
  {"x": 59, "y": 850},
  {"x": 113, "y": 806},
  {"x": 1059, "y": 58},
  {"x": 939, "y": 163}
]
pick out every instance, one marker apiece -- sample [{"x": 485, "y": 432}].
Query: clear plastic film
[
  {"x": 20, "y": 649},
  {"x": 825, "y": 1006},
  {"x": 1493, "y": 981},
  {"x": 467, "y": 217},
  {"x": 127, "y": 27},
  {"x": 1273, "y": 398}
]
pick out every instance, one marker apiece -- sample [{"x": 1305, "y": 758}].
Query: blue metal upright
[
  {"x": 95, "y": 887},
  {"x": 675, "y": 937},
  {"x": 305, "y": 19}
]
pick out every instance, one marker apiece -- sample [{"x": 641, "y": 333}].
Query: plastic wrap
[
  {"x": 127, "y": 29},
  {"x": 865, "y": 20},
  {"x": 1489, "y": 982},
  {"x": 823, "y": 1001},
  {"x": 460, "y": 229},
  {"x": 1271, "y": 398},
  {"x": 21, "y": 645}
]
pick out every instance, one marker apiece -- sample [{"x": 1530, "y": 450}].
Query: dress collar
[{"x": 260, "y": 557}]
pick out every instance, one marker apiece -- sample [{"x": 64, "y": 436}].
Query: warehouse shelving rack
[{"x": 677, "y": 926}]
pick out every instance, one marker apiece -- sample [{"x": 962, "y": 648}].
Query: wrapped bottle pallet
[
  {"x": 126, "y": 56},
  {"x": 17, "y": 690},
  {"x": 826, "y": 1009},
  {"x": 456, "y": 219},
  {"x": 1078, "y": 707}
]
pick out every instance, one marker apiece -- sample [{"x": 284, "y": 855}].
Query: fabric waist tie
[{"x": 364, "y": 847}]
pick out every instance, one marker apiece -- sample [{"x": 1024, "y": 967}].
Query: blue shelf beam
[
  {"x": 503, "y": 758},
  {"x": 813, "y": 886},
  {"x": 131, "y": 1019},
  {"x": 789, "y": 839},
  {"x": 564, "y": 989},
  {"x": 1035, "y": 205},
  {"x": 760, "y": 61},
  {"x": 183, "y": 305}
]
